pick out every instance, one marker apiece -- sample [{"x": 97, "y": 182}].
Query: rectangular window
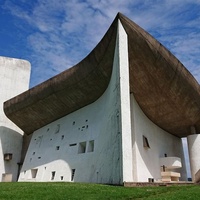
[
  {"x": 145, "y": 142},
  {"x": 34, "y": 173},
  {"x": 82, "y": 147},
  {"x": 90, "y": 146},
  {"x": 74, "y": 144}
]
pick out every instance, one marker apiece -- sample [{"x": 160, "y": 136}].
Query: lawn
[{"x": 57, "y": 191}]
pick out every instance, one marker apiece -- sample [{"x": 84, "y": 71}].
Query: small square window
[
  {"x": 57, "y": 147},
  {"x": 8, "y": 156},
  {"x": 82, "y": 147}
]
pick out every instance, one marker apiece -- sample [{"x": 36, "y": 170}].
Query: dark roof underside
[{"x": 166, "y": 92}]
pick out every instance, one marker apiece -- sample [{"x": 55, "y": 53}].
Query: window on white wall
[
  {"x": 145, "y": 142},
  {"x": 71, "y": 145},
  {"x": 34, "y": 173},
  {"x": 82, "y": 147},
  {"x": 53, "y": 173},
  {"x": 90, "y": 146},
  {"x": 57, "y": 128}
]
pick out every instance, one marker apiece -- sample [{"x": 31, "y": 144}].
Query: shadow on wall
[{"x": 10, "y": 154}]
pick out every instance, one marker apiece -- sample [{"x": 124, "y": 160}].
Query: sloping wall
[
  {"x": 84, "y": 146},
  {"x": 146, "y": 162}
]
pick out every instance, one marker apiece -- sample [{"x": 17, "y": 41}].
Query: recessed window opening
[
  {"x": 53, "y": 173},
  {"x": 74, "y": 144},
  {"x": 33, "y": 153},
  {"x": 73, "y": 122},
  {"x": 39, "y": 157},
  {"x": 57, "y": 128},
  {"x": 73, "y": 174},
  {"x": 34, "y": 173},
  {"x": 61, "y": 178},
  {"x": 82, "y": 147},
  {"x": 62, "y": 137},
  {"x": 8, "y": 156},
  {"x": 91, "y": 146},
  {"x": 145, "y": 142},
  {"x": 57, "y": 147}
]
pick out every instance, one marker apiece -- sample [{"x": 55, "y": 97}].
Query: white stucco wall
[
  {"x": 14, "y": 79},
  {"x": 98, "y": 123},
  {"x": 146, "y": 161},
  {"x": 194, "y": 153}
]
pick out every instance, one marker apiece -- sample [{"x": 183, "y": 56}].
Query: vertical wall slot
[
  {"x": 53, "y": 173},
  {"x": 73, "y": 174}
]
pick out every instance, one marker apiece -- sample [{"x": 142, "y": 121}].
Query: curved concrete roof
[{"x": 166, "y": 92}]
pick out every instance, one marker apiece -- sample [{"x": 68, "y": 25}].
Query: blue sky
[{"x": 56, "y": 34}]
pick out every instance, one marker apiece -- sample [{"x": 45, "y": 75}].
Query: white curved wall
[
  {"x": 194, "y": 153},
  {"x": 146, "y": 161},
  {"x": 14, "y": 79},
  {"x": 88, "y": 141}
]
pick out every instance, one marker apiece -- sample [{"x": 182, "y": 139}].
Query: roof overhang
[{"x": 166, "y": 92}]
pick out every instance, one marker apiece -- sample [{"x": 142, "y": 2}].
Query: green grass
[{"x": 57, "y": 191}]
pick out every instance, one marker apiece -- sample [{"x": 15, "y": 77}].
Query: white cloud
[{"x": 65, "y": 31}]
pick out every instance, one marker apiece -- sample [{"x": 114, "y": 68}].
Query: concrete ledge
[{"x": 155, "y": 184}]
